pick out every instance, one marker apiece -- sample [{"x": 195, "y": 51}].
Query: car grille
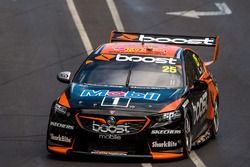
[
  {"x": 133, "y": 126},
  {"x": 111, "y": 146}
]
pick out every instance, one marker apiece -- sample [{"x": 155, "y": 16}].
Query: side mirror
[
  {"x": 199, "y": 85},
  {"x": 64, "y": 77}
]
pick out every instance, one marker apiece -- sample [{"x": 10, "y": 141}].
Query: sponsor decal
[
  {"x": 170, "y": 116},
  {"x": 60, "y": 138},
  {"x": 139, "y": 50},
  {"x": 165, "y": 144},
  {"x": 111, "y": 121},
  {"x": 200, "y": 107},
  {"x": 109, "y": 152},
  {"x": 185, "y": 103},
  {"x": 60, "y": 125},
  {"x": 202, "y": 138},
  {"x": 146, "y": 59},
  {"x": 112, "y": 112},
  {"x": 116, "y": 101},
  {"x": 168, "y": 131},
  {"x": 113, "y": 129},
  {"x": 128, "y": 94},
  {"x": 110, "y": 137},
  {"x": 204, "y": 41},
  {"x": 169, "y": 69},
  {"x": 127, "y": 37},
  {"x": 196, "y": 60}
]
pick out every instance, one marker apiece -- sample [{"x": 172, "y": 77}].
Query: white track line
[
  {"x": 196, "y": 160},
  {"x": 115, "y": 15},
  {"x": 81, "y": 30},
  {"x": 146, "y": 165}
]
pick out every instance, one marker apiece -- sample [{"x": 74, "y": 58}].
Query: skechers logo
[
  {"x": 158, "y": 60},
  {"x": 205, "y": 41},
  {"x": 168, "y": 131}
]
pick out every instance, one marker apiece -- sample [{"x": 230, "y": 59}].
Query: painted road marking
[
  {"x": 115, "y": 15},
  {"x": 223, "y": 10},
  {"x": 146, "y": 165},
  {"x": 86, "y": 42},
  {"x": 196, "y": 160},
  {"x": 80, "y": 28}
]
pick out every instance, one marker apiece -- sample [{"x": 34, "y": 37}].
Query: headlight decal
[
  {"x": 172, "y": 106},
  {"x": 169, "y": 116},
  {"x": 60, "y": 109},
  {"x": 64, "y": 100}
]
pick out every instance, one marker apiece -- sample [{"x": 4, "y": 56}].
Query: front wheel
[{"x": 187, "y": 137}]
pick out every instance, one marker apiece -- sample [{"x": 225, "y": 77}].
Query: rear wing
[{"x": 169, "y": 39}]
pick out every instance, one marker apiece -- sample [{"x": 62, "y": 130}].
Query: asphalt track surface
[{"x": 38, "y": 39}]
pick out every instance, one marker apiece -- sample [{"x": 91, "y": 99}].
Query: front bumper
[
  {"x": 144, "y": 142},
  {"x": 152, "y": 155}
]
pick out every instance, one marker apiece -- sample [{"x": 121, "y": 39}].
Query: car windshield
[{"x": 137, "y": 71}]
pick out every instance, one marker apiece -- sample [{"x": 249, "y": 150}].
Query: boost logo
[{"x": 158, "y": 60}]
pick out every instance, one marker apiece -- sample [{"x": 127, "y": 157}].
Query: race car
[{"x": 141, "y": 95}]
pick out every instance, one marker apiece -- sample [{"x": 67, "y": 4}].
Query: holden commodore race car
[{"x": 141, "y": 95}]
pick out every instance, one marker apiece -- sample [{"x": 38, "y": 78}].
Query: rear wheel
[
  {"x": 215, "y": 126},
  {"x": 187, "y": 136}
]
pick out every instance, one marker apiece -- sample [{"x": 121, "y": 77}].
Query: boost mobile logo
[
  {"x": 205, "y": 41},
  {"x": 118, "y": 129}
]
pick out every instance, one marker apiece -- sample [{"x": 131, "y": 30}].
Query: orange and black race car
[{"x": 141, "y": 95}]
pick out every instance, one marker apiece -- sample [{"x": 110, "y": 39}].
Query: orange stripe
[
  {"x": 129, "y": 120},
  {"x": 172, "y": 106},
  {"x": 94, "y": 118},
  {"x": 63, "y": 100},
  {"x": 78, "y": 121},
  {"x": 157, "y": 155},
  {"x": 59, "y": 150},
  {"x": 89, "y": 61},
  {"x": 146, "y": 124},
  {"x": 105, "y": 57}
]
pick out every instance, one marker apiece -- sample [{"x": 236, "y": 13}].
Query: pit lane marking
[{"x": 79, "y": 25}]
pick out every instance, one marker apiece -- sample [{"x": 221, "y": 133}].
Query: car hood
[{"x": 121, "y": 98}]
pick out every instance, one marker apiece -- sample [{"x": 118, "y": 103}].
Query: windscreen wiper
[{"x": 129, "y": 74}]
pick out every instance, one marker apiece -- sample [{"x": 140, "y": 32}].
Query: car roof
[{"x": 142, "y": 49}]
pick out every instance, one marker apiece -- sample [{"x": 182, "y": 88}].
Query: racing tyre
[
  {"x": 215, "y": 125},
  {"x": 187, "y": 136}
]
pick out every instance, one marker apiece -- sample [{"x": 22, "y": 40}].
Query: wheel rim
[
  {"x": 216, "y": 118},
  {"x": 188, "y": 135}
]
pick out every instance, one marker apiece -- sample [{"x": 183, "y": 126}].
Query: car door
[{"x": 198, "y": 96}]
